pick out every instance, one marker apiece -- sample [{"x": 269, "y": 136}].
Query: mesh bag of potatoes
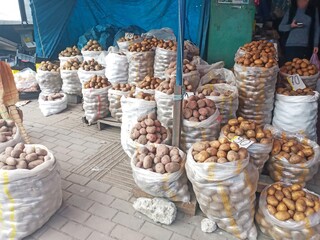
[
  {"x": 201, "y": 121},
  {"x": 164, "y": 99},
  {"x": 203, "y": 67},
  {"x": 95, "y": 98},
  {"x": 134, "y": 106},
  {"x": 307, "y": 71},
  {"x": 114, "y": 95},
  {"x": 68, "y": 54},
  {"x": 70, "y": 80},
  {"x": 90, "y": 68},
  {"x": 220, "y": 75},
  {"x": 91, "y": 50},
  {"x": 148, "y": 85},
  {"x": 9, "y": 134},
  {"x": 289, "y": 212},
  {"x": 261, "y": 139},
  {"x": 125, "y": 42},
  {"x": 159, "y": 170},
  {"x": 53, "y": 103},
  {"x": 48, "y": 77},
  {"x": 256, "y": 75},
  {"x": 31, "y": 190},
  {"x": 297, "y": 111},
  {"x": 225, "y": 97},
  {"x": 224, "y": 182},
  {"x": 117, "y": 67},
  {"x": 294, "y": 159}
]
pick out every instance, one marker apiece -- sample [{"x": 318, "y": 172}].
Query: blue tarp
[{"x": 59, "y": 24}]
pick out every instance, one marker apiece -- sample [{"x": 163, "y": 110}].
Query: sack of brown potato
[
  {"x": 69, "y": 53},
  {"x": 49, "y": 82},
  {"x": 9, "y": 134},
  {"x": 148, "y": 85},
  {"x": 69, "y": 73},
  {"x": 124, "y": 43},
  {"x": 289, "y": 212},
  {"x": 162, "y": 59},
  {"x": 53, "y": 103},
  {"x": 159, "y": 170},
  {"x": 140, "y": 65},
  {"x": 32, "y": 194},
  {"x": 164, "y": 108},
  {"x": 225, "y": 97},
  {"x": 117, "y": 67},
  {"x": 220, "y": 75},
  {"x": 90, "y": 68},
  {"x": 297, "y": 114},
  {"x": 294, "y": 158},
  {"x": 225, "y": 183}
]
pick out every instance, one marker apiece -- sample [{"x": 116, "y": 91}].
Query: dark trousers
[{"x": 297, "y": 52}]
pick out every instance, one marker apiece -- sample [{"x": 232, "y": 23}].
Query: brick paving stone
[
  {"x": 155, "y": 231},
  {"x": 78, "y": 179},
  {"x": 75, "y": 214},
  {"x": 176, "y": 236},
  {"x": 100, "y": 224},
  {"x": 123, "y": 233},
  {"x": 66, "y": 195},
  {"x": 76, "y": 230},
  {"x": 62, "y": 157},
  {"x": 80, "y": 202},
  {"x": 60, "y": 149},
  {"x": 66, "y": 165},
  {"x": 91, "y": 145},
  {"x": 99, "y": 186},
  {"x": 77, "y": 140},
  {"x": 79, "y": 190},
  {"x": 57, "y": 221},
  {"x": 120, "y": 193},
  {"x": 123, "y": 206},
  {"x": 98, "y": 236},
  {"x": 52, "y": 234},
  {"x": 50, "y": 133},
  {"x": 77, "y": 154},
  {"x": 181, "y": 228},
  {"x": 102, "y": 211},
  {"x": 65, "y": 184},
  {"x": 102, "y": 198},
  {"x": 75, "y": 162},
  {"x": 49, "y": 139},
  {"x": 77, "y": 148},
  {"x": 64, "y": 142},
  {"x": 128, "y": 221}
]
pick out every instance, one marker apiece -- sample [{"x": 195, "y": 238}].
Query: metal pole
[{"x": 178, "y": 93}]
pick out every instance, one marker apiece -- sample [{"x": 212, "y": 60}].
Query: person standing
[{"x": 301, "y": 27}]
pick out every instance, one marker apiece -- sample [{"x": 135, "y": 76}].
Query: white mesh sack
[
  {"x": 140, "y": 65},
  {"x": 70, "y": 82},
  {"x": 49, "y": 82},
  {"x": 52, "y": 107},
  {"x": 116, "y": 67}
]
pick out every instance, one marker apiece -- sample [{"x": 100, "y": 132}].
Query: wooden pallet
[
  {"x": 187, "y": 208},
  {"x": 107, "y": 122}
]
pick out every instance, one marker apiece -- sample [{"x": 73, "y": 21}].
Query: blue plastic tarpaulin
[{"x": 59, "y": 24}]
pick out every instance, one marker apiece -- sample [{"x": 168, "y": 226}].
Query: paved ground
[{"x": 95, "y": 207}]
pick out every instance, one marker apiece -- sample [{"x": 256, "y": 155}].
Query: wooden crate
[{"x": 107, "y": 122}]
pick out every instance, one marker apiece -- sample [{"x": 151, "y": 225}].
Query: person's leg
[
  {"x": 297, "y": 52},
  {"x": 290, "y": 53}
]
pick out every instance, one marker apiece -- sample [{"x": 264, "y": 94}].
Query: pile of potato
[
  {"x": 7, "y": 130},
  {"x": 167, "y": 86},
  {"x": 159, "y": 158},
  {"x": 145, "y": 45},
  {"x": 148, "y": 130},
  {"x": 302, "y": 67},
  {"x": 91, "y": 65},
  {"x": 248, "y": 130},
  {"x": 198, "y": 108},
  {"x": 292, "y": 150},
  {"x": 72, "y": 64},
  {"x": 97, "y": 82},
  {"x": 258, "y": 54},
  {"x": 168, "y": 45},
  {"x": 187, "y": 67},
  {"x": 92, "y": 45},
  {"x": 124, "y": 39},
  {"x": 142, "y": 95},
  {"x": 49, "y": 66},
  {"x": 52, "y": 97},
  {"x": 149, "y": 83},
  {"x": 214, "y": 92},
  {"x": 70, "y": 52},
  {"x": 218, "y": 151},
  {"x": 124, "y": 87},
  {"x": 22, "y": 157},
  {"x": 298, "y": 92}
]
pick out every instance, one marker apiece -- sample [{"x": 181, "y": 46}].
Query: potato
[
  {"x": 139, "y": 164},
  {"x": 33, "y": 164},
  {"x": 271, "y": 190},
  {"x": 297, "y": 194},
  {"x": 221, "y": 154},
  {"x": 271, "y": 200},
  {"x": 202, "y": 156},
  {"x": 8, "y": 150},
  {"x": 176, "y": 158},
  {"x": 16, "y": 153},
  {"x": 282, "y": 207},
  {"x": 152, "y": 137},
  {"x": 199, "y": 146},
  {"x": 299, "y": 216},
  {"x": 301, "y": 205},
  {"x": 222, "y": 160},
  {"x": 215, "y": 144},
  {"x": 296, "y": 187},
  {"x": 279, "y": 195},
  {"x": 142, "y": 139},
  {"x": 162, "y": 150},
  {"x": 11, "y": 161},
  {"x": 243, "y": 153},
  {"x": 172, "y": 167},
  {"x": 147, "y": 162},
  {"x": 22, "y": 165},
  {"x": 287, "y": 193},
  {"x": 160, "y": 168},
  {"x": 31, "y": 157},
  {"x": 282, "y": 215},
  {"x": 289, "y": 203},
  {"x": 232, "y": 156},
  {"x": 272, "y": 210},
  {"x": 165, "y": 159},
  {"x": 19, "y": 146}
]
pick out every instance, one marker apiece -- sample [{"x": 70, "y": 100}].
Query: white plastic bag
[
  {"x": 290, "y": 229},
  {"x": 49, "y": 82},
  {"x": 227, "y": 106},
  {"x": 132, "y": 109},
  {"x": 226, "y": 193},
  {"x": 114, "y": 97},
  {"x": 88, "y": 55},
  {"x": 164, "y": 108},
  {"x": 297, "y": 114},
  {"x": 52, "y": 107},
  {"x": 140, "y": 65},
  {"x": 70, "y": 82},
  {"x": 309, "y": 81},
  {"x": 124, "y": 45},
  {"x": 169, "y": 185},
  {"x": 280, "y": 169},
  {"x": 116, "y": 67},
  {"x": 29, "y": 198},
  {"x": 206, "y": 130},
  {"x": 85, "y": 76},
  {"x": 162, "y": 59},
  {"x": 63, "y": 60},
  {"x": 256, "y": 87},
  {"x": 95, "y": 104},
  {"x": 26, "y": 81},
  {"x": 16, "y": 139},
  {"x": 220, "y": 75}
]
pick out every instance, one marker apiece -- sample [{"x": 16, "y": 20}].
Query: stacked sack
[
  {"x": 89, "y": 69},
  {"x": 224, "y": 182},
  {"x": 288, "y": 211},
  {"x": 70, "y": 80},
  {"x": 48, "y": 77},
  {"x": 116, "y": 67},
  {"x": 297, "y": 111},
  {"x": 91, "y": 50},
  {"x": 159, "y": 170},
  {"x": 294, "y": 159},
  {"x": 68, "y": 54},
  {"x": 256, "y": 72},
  {"x": 95, "y": 98},
  {"x": 259, "y": 139},
  {"x": 148, "y": 85},
  {"x": 125, "y": 42}
]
